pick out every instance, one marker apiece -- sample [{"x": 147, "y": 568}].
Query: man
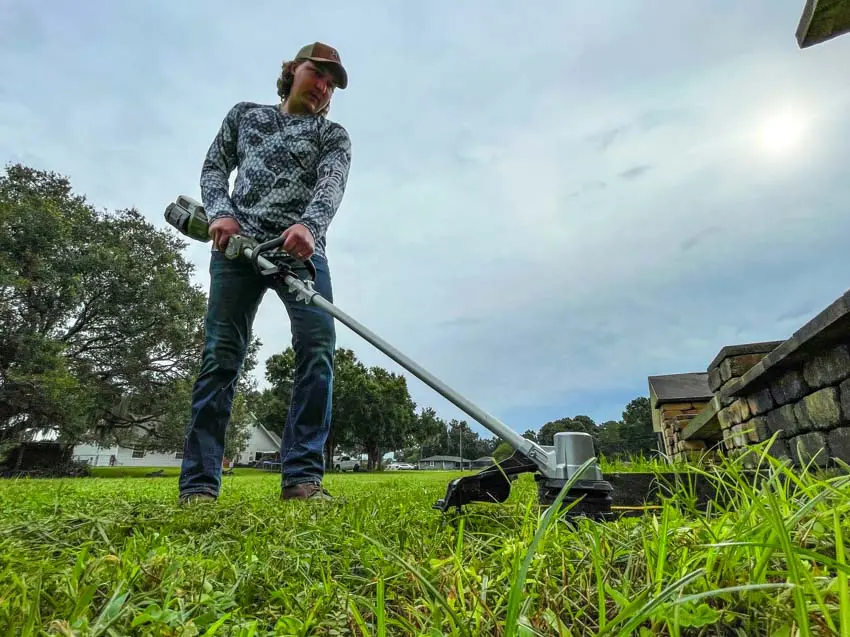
[{"x": 293, "y": 166}]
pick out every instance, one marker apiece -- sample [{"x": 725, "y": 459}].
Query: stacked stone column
[{"x": 674, "y": 418}]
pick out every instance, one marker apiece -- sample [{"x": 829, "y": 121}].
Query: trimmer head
[
  {"x": 592, "y": 498},
  {"x": 589, "y": 495}
]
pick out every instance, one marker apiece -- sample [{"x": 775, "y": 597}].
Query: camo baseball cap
[{"x": 325, "y": 54}]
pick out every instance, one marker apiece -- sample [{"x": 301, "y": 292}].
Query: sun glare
[{"x": 782, "y": 132}]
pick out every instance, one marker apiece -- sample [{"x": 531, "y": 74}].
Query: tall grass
[{"x": 118, "y": 557}]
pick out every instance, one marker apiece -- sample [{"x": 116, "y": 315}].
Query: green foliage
[
  {"x": 504, "y": 450},
  {"x": 372, "y": 408},
  {"x": 101, "y": 324},
  {"x": 120, "y": 557},
  {"x": 585, "y": 424},
  {"x": 629, "y": 437},
  {"x": 387, "y": 413}
]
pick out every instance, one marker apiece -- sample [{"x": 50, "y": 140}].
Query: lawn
[{"x": 92, "y": 556}]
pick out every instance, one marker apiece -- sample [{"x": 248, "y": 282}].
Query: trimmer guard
[{"x": 493, "y": 484}]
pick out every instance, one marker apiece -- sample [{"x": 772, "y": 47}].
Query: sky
[{"x": 545, "y": 205}]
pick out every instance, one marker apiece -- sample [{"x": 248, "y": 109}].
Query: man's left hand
[{"x": 298, "y": 241}]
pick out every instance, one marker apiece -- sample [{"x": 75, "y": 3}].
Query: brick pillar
[{"x": 674, "y": 418}]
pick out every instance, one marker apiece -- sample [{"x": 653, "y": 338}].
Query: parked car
[
  {"x": 345, "y": 462},
  {"x": 400, "y": 466}
]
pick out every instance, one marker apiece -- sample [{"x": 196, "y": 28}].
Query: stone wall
[
  {"x": 808, "y": 405},
  {"x": 798, "y": 389}
]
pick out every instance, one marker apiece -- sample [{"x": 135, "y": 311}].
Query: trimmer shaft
[{"x": 553, "y": 465}]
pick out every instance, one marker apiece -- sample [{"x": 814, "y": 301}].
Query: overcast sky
[{"x": 547, "y": 203}]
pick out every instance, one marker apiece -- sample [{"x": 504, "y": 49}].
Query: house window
[
  {"x": 178, "y": 455},
  {"x": 138, "y": 452}
]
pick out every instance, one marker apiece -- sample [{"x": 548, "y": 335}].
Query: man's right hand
[{"x": 221, "y": 230}]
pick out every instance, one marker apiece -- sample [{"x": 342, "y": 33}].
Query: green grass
[
  {"x": 119, "y": 556},
  {"x": 139, "y": 472}
]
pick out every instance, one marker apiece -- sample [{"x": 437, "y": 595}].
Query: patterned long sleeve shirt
[{"x": 291, "y": 169}]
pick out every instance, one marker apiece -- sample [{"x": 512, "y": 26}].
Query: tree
[
  {"x": 636, "y": 427},
  {"x": 610, "y": 439},
  {"x": 428, "y": 426},
  {"x": 637, "y": 416},
  {"x": 100, "y": 325},
  {"x": 238, "y": 429},
  {"x": 385, "y": 415},
  {"x": 172, "y": 430},
  {"x": 530, "y": 435},
  {"x": 546, "y": 435},
  {"x": 431, "y": 434},
  {"x": 271, "y": 406}
]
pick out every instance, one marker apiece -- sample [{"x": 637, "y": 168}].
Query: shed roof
[{"x": 680, "y": 387}]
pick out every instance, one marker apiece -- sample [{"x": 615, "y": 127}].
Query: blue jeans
[{"x": 236, "y": 290}]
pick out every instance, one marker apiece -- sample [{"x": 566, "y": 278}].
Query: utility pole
[{"x": 460, "y": 444}]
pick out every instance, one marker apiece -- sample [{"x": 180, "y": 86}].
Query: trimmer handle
[{"x": 276, "y": 243}]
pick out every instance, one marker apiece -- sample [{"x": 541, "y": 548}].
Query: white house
[{"x": 260, "y": 441}]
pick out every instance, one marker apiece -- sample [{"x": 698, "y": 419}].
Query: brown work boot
[
  {"x": 305, "y": 491},
  {"x": 196, "y": 498}
]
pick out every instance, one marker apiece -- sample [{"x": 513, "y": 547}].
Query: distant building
[
  {"x": 674, "y": 399},
  {"x": 454, "y": 462},
  {"x": 261, "y": 442},
  {"x": 483, "y": 462},
  {"x": 442, "y": 462}
]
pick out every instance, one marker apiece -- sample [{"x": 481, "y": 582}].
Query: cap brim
[{"x": 336, "y": 68}]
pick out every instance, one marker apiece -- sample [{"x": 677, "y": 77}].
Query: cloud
[
  {"x": 634, "y": 172},
  {"x": 494, "y": 227}
]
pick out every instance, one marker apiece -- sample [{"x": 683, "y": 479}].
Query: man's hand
[
  {"x": 221, "y": 230},
  {"x": 298, "y": 241}
]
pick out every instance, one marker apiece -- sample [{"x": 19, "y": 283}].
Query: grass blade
[
  {"x": 358, "y": 617},
  {"x": 642, "y": 614},
  {"x": 422, "y": 579},
  {"x": 843, "y": 593},
  {"x": 213, "y": 629},
  {"x": 380, "y": 609},
  {"x": 511, "y": 623}
]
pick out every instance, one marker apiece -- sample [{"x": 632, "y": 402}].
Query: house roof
[
  {"x": 274, "y": 437},
  {"x": 443, "y": 458},
  {"x": 680, "y": 387}
]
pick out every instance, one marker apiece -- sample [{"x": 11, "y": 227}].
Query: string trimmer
[{"x": 553, "y": 465}]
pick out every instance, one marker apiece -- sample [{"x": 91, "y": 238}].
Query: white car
[
  {"x": 346, "y": 463},
  {"x": 400, "y": 466}
]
